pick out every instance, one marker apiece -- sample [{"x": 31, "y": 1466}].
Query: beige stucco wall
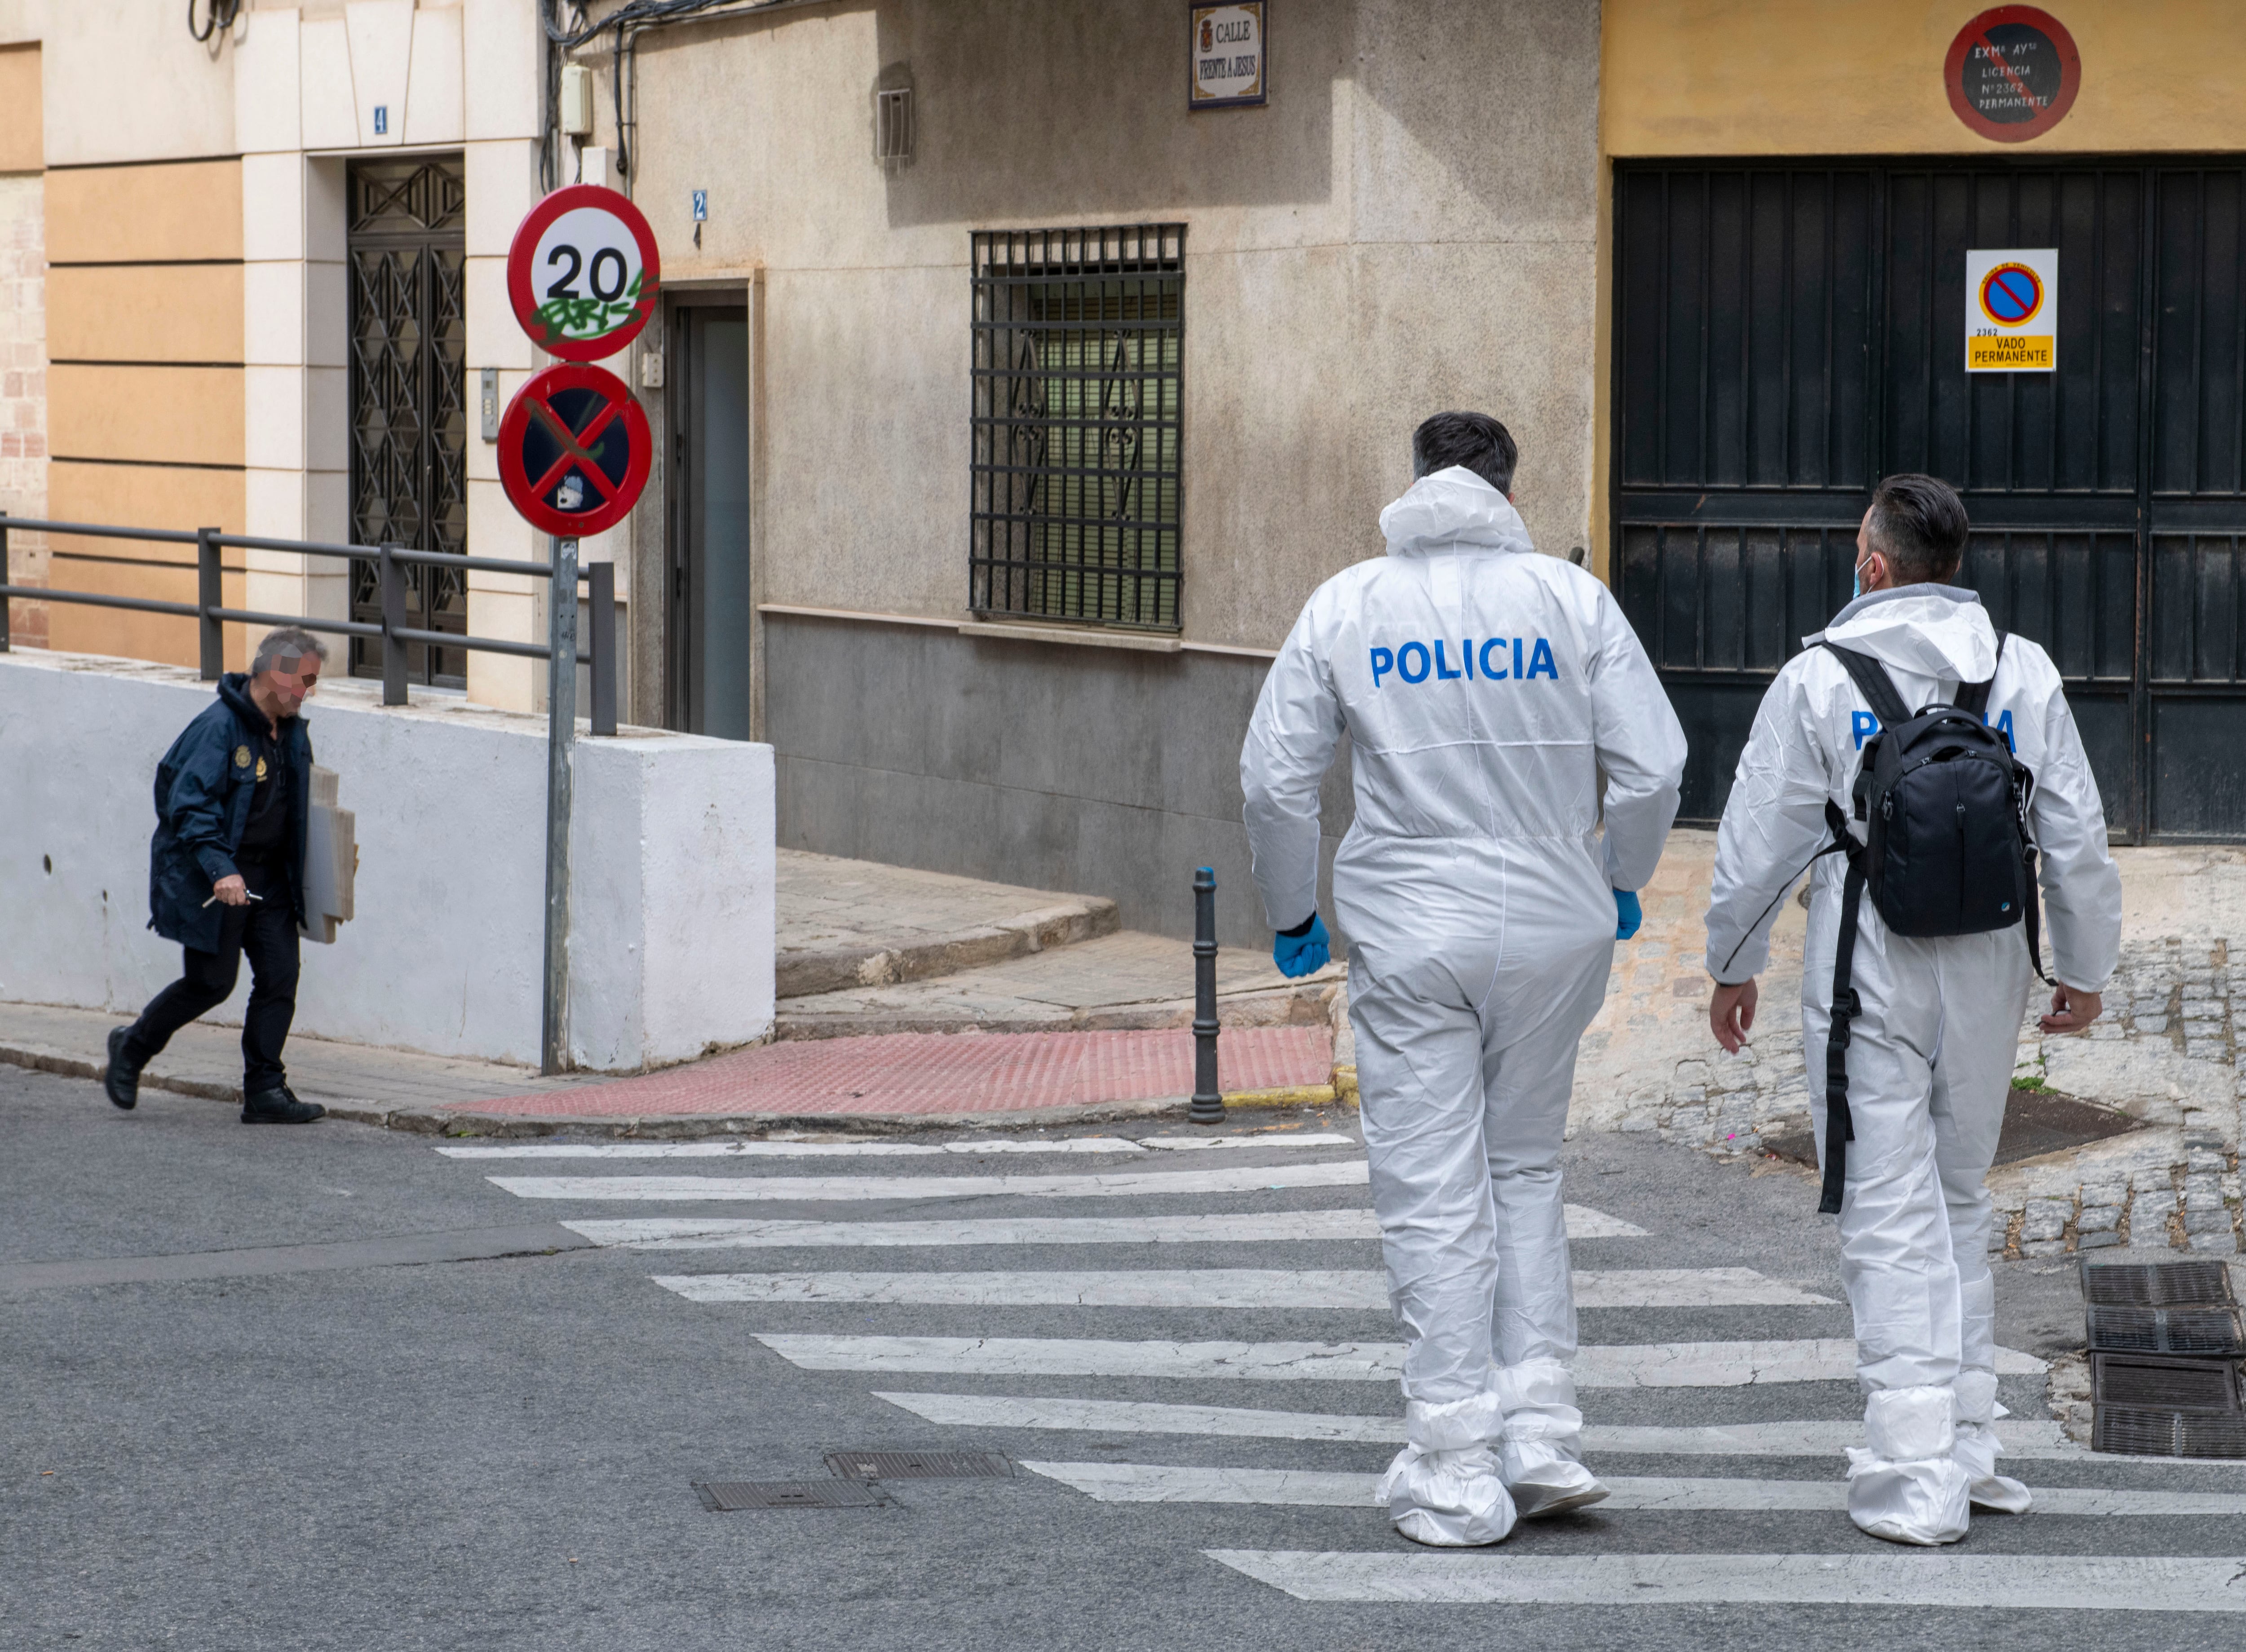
[{"x": 1409, "y": 224}]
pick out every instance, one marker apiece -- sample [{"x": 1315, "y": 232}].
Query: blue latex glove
[
  {"x": 1628, "y": 914},
  {"x": 1305, "y": 954}
]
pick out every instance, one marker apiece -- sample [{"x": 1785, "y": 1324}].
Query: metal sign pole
[{"x": 561, "y": 731}]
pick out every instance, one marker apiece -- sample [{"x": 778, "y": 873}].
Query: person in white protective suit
[
  {"x": 1484, "y": 689},
  {"x": 1929, "y": 1061}
]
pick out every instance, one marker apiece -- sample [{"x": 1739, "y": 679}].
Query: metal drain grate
[
  {"x": 2154, "y": 1284},
  {"x": 2211, "y": 1331},
  {"x": 2141, "y": 1433},
  {"x": 2150, "y": 1382},
  {"x": 919, "y": 1465},
  {"x": 723, "y": 1497}
]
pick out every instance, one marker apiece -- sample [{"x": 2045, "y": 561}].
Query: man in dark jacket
[{"x": 226, "y": 873}]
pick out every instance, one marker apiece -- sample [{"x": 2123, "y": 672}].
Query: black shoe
[
  {"x": 121, "y": 1079},
  {"x": 279, "y": 1107}
]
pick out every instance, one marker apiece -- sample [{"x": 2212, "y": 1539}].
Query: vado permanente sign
[{"x": 574, "y": 446}]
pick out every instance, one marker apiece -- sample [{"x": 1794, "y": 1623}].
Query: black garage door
[{"x": 1785, "y": 334}]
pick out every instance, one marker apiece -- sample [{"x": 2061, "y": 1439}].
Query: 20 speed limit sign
[{"x": 583, "y": 273}]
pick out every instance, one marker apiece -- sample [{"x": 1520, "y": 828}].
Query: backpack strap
[
  {"x": 1874, "y": 683},
  {"x": 1974, "y": 696},
  {"x": 1839, "y": 1131}
]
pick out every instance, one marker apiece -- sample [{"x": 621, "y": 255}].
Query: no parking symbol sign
[{"x": 2012, "y": 310}]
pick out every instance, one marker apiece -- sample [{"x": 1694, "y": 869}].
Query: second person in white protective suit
[
  {"x": 1930, "y": 1058},
  {"x": 1485, "y": 689}
]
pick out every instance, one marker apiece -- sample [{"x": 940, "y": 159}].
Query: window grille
[{"x": 1079, "y": 376}]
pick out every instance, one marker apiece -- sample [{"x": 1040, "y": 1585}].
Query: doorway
[
  {"x": 1786, "y": 332},
  {"x": 406, "y": 239},
  {"x": 708, "y": 610}
]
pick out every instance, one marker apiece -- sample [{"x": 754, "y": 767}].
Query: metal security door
[
  {"x": 710, "y": 608},
  {"x": 1786, "y": 333},
  {"x": 409, "y": 421}
]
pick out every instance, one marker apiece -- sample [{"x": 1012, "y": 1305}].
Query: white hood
[
  {"x": 1453, "y": 510},
  {"x": 1935, "y": 631}
]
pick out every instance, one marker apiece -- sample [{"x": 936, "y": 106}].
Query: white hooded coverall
[
  {"x": 1484, "y": 689},
  {"x": 1930, "y": 1059}
]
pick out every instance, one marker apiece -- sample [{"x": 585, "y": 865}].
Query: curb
[
  {"x": 1296, "y": 1006},
  {"x": 805, "y": 973},
  {"x": 56, "y": 1061}
]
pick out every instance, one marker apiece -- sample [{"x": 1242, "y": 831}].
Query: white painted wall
[{"x": 672, "y": 869}]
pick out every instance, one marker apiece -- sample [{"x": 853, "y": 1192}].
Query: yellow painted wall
[
  {"x": 1864, "y": 76},
  {"x": 138, "y": 496},
  {"x": 145, "y": 313},
  {"x": 118, "y": 214},
  {"x": 21, "y": 145}
]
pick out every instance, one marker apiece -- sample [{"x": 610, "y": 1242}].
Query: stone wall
[{"x": 23, "y": 390}]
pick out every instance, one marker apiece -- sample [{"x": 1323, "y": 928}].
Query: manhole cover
[
  {"x": 2035, "y": 1122},
  {"x": 2152, "y": 1381},
  {"x": 2167, "y": 1330},
  {"x": 2132, "y": 1432},
  {"x": 919, "y": 1465},
  {"x": 2042, "y": 1121},
  {"x": 2154, "y": 1284},
  {"x": 721, "y": 1496}
]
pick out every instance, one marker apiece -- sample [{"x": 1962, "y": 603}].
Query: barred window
[{"x": 1078, "y": 375}]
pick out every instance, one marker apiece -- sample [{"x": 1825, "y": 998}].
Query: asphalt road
[{"x": 246, "y": 1405}]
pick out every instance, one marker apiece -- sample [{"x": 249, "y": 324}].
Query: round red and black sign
[
  {"x": 574, "y": 451},
  {"x": 2012, "y": 73}
]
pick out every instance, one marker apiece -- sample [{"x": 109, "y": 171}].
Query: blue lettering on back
[
  {"x": 1863, "y": 725},
  {"x": 1439, "y": 672},
  {"x": 1404, "y": 662},
  {"x": 1382, "y": 662},
  {"x": 1541, "y": 662},
  {"x": 2005, "y": 728},
  {"x": 1494, "y": 673}
]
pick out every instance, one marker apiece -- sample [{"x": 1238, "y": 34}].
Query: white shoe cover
[
  {"x": 1904, "y": 1485},
  {"x": 1977, "y": 1448},
  {"x": 1444, "y": 1489},
  {"x": 1537, "y": 1450}
]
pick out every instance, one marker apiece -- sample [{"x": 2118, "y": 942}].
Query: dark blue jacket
[{"x": 203, "y": 790}]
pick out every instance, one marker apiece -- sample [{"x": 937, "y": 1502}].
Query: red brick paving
[{"x": 937, "y": 1073}]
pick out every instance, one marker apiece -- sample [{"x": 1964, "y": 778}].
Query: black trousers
[{"x": 265, "y": 930}]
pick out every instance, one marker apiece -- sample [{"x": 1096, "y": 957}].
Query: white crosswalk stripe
[
  {"x": 1154, "y": 1483},
  {"x": 972, "y": 1147},
  {"x": 1122, "y": 1184},
  {"x": 2023, "y": 1439},
  {"x": 2002, "y": 1582},
  {"x": 1599, "y": 1365},
  {"x": 706, "y": 1233},
  {"x": 1364, "y": 1565},
  {"x": 1212, "y": 1288}
]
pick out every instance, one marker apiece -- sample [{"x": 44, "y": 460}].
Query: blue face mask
[{"x": 1858, "y": 589}]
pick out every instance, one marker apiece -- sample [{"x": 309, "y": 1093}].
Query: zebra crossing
[{"x": 1022, "y": 1383}]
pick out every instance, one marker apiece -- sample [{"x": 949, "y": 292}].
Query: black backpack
[{"x": 1948, "y": 850}]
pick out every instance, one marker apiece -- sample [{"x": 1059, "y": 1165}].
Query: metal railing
[{"x": 209, "y": 611}]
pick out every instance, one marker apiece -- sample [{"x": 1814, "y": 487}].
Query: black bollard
[{"x": 1208, "y": 1101}]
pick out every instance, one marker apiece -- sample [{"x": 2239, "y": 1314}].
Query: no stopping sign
[
  {"x": 574, "y": 451},
  {"x": 582, "y": 273}
]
